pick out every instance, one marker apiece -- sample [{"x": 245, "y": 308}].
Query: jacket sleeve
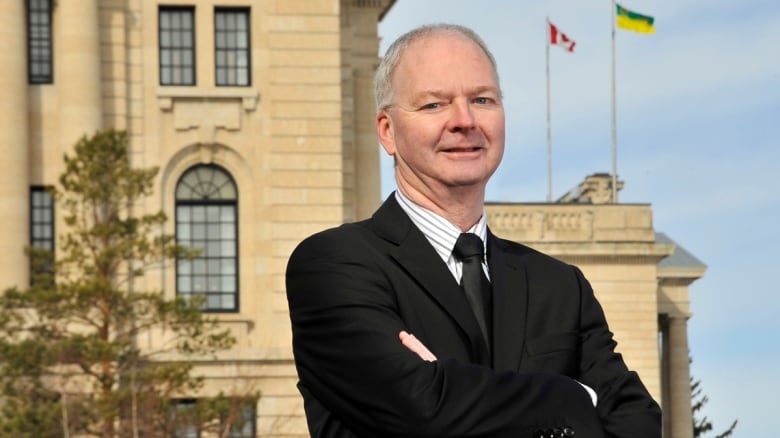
[
  {"x": 345, "y": 324},
  {"x": 624, "y": 404}
]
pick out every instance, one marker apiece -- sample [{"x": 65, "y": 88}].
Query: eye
[
  {"x": 482, "y": 100},
  {"x": 431, "y": 106}
]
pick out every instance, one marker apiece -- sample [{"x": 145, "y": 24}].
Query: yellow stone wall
[
  {"x": 14, "y": 166},
  {"x": 298, "y": 143}
]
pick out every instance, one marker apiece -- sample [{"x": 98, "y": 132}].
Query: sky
[{"x": 698, "y": 132}]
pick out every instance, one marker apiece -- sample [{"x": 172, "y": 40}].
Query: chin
[{"x": 466, "y": 182}]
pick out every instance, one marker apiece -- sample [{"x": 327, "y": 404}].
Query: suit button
[{"x": 566, "y": 432}]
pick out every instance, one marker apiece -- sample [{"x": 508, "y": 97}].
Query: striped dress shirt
[{"x": 442, "y": 234}]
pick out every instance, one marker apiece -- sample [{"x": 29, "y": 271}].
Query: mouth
[{"x": 463, "y": 149}]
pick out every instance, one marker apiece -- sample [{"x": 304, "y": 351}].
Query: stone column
[
  {"x": 14, "y": 160},
  {"x": 365, "y": 45},
  {"x": 679, "y": 411},
  {"x": 78, "y": 72}
]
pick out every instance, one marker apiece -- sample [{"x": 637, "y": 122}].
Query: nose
[{"x": 462, "y": 116}]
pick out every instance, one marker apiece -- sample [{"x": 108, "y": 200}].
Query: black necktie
[{"x": 470, "y": 251}]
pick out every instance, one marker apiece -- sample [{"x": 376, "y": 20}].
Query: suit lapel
[
  {"x": 416, "y": 256},
  {"x": 510, "y": 304}
]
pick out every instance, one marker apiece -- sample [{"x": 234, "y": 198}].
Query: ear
[{"x": 385, "y": 131}]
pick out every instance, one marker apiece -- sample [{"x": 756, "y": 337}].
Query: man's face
[{"x": 445, "y": 125}]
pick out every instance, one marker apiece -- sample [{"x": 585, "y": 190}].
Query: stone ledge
[{"x": 166, "y": 95}]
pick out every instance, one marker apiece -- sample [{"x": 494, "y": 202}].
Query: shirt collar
[{"x": 441, "y": 233}]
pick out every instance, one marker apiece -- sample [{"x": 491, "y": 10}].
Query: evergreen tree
[{"x": 74, "y": 352}]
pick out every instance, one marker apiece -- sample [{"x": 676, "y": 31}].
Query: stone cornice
[{"x": 672, "y": 276}]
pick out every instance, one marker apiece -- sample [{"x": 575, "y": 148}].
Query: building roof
[
  {"x": 680, "y": 258},
  {"x": 386, "y": 9}
]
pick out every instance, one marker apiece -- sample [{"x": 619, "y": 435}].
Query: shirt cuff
[{"x": 593, "y": 397}]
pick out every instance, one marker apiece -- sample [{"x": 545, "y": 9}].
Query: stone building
[{"x": 259, "y": 115}]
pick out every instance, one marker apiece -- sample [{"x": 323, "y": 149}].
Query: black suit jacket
[{"x": 352, "y": 289}]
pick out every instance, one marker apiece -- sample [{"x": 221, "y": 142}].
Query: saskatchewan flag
[{"x": 633, "y": 21}]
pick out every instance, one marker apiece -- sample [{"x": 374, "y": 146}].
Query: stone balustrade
[{"x": 562, "y": 223}]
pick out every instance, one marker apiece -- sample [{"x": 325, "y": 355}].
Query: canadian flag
[{"x": 557, "y": 38}]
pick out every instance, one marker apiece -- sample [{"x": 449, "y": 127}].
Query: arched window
[{"x": 207, "y": 219}]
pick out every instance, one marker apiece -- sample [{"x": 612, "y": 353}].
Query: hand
[{"x": 416, "y": 346}]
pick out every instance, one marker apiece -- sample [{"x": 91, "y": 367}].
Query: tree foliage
[{"x": 75, "y": 355}]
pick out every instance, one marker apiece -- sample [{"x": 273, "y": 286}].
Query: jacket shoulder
[
  {"x": 529, "y": 255},
  {"x": 334, "y": 241}
]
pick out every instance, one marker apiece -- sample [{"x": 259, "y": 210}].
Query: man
[{"x": 386, "y": 341}]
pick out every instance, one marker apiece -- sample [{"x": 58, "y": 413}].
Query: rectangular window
[
  {"x": 213, "y": 275},
  {"x": 177, "y": 46},
  {"x": 182, "y": 418},
  {"x": 244, "y": 424},
  {"x": 231, "y": 46},
  {"x": 41, "y": 235},
  {"x": 39, "y": 45},
  {"x": 41, "y": 219}
]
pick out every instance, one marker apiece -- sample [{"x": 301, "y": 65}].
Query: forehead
[
  {"x": 439, "y": 43},
  {"x": 444, "y": 57}
]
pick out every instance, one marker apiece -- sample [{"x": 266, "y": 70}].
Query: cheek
[
  {"x": 495, "y": 132},
  {"x": 416, "y": 138},
  {"x": 497, "y": 137},
  {"x": 497, "y": 128},
  {"x": 496, "y": 154}
]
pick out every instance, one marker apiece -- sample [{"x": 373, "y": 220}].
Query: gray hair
[{"x": 383, "y": 87}]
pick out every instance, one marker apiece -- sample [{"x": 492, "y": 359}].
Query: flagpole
[
  {"x": 614, "y": 111},
  {"x": 549, "y": 124}
]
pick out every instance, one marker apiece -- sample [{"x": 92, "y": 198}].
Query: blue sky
[{"x": 698, "y": 127}]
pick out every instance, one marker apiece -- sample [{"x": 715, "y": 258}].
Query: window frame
[
  {"x": 48, "y": 206},
  {"x": 183, "y": 405},
  {"x": 174, "y": 49},
  {"x": 228, "y": 67},
  {"x": 234, "y": 203},
  {"x": 40, "y": 8},
  {"x": 248, "y": 414},
  {"x": 41, "y": 264}
]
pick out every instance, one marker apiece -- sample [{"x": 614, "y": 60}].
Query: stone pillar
[
  {"x": 365, "y": 45},
  {"x": 78, "y": 62},
  {"x": 14, "y": 161},
  {"x": 679, "y": 409},
  {"x": 367, "y": 168}
]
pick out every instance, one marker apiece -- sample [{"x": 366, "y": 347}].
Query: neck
[{"x": 462, "y": 206}]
